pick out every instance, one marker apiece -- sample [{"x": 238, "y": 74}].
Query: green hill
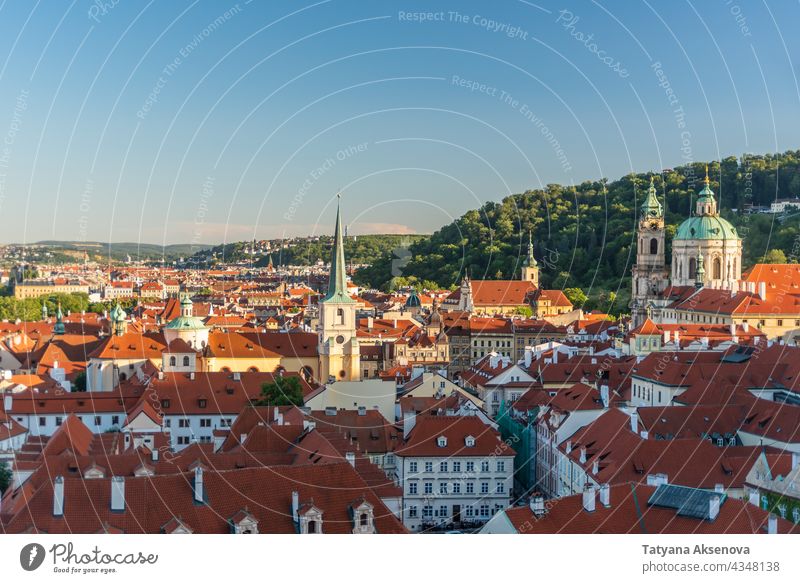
[{"x": 585, "y": 236}]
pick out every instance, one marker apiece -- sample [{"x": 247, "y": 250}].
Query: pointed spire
[
  {"x": 59, "y": 328},
  {"x": 530, "y": 260},
  {"x": 651, "y": 208},
  {"x": 337, "y": 280},
  {"x": 700, "y": 275},
  {"x": 706, "y": 181}
]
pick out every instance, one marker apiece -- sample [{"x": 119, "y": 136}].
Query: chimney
[
  {"x": 582, "y": 458},
  {"x": 772, "y": 524},
  {"x": 604, "y": 395},
  {"x": 199, "y": 494},
  {"x": 568, "y": 447},
  {"x": 161, "y": 375},
  {"x": 362, "y": 411},
  {"x": 295, "y": 505},
  {"x": 795, "y": 459},
  {"x": 762, "y": 290},
  {"x": 719, "y": 488},
  {"x": 350, "y": 456},
  {"x": 713, "y": 507},
  {"x": 555, "y": 356},
  {"x": 528, "y": 356},
  {"x": 191, "y": 376},
  {"x": 644, "y": 434},
  {"x": 58, "y": 496},
  {"x": 537, "y": 505},
  {"x": 754, "y": 498},
  {"x": 605, "y": 495},
  {"x": 237, "y": 376},
  {"x": 677, "y": 336},
  {"x": 118, "y": 494},
  {"x": 634, "y": 422},
  {"x": 154, "y": 455},
  {"x": 588, "y": 498},
  {"x": 666, "y": 336},
  {"x": 745, "y": 327},
  {"x": 8, "y": 402},
  {"x": 595, "y": 467},
  {"x": 370, "y": 323}
]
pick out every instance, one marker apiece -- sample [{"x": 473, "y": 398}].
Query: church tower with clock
[
  {"x": 650, "y": 276},
  {"x": 338, "y": 348}
]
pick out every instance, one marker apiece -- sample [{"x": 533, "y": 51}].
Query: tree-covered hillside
[{"x": 584, "y": 236}]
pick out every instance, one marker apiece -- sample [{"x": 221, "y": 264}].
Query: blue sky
[{"x": 167, "y": 122}]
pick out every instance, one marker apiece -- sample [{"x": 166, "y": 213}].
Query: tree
[
  {"x": 283, "y": 391},
  {"x": 576, "y": 296},
  {"x": 79, "y": 384},
  {"x": 5, "y": 477},
  {"x": 774, "y": 256}
]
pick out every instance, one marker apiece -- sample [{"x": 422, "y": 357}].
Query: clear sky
[{"x": 200, "y": 121}]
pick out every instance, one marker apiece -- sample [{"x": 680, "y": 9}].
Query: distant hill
[{"x": 120, "y": 251}]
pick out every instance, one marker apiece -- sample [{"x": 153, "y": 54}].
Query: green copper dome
[{"x": 706, "y": 228}]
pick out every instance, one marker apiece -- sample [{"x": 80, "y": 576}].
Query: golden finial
[{"x": 707, "y": 181}]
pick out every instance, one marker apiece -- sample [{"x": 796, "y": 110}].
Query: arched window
[
  {"x": 172, "y": 361},
  {"x": 364, "y": 519},
  {"x": 312, "y": 527},
  {"x": 185, "y": 361},
  {"x": 717, "y": 268},
  {"x": 692, "y": 268},
  {"x": 339, "y": 316},
  {"x": 252, "y": 369},
  {"x": 123, "y": 376},
  {"x": 653, "y": 246}
]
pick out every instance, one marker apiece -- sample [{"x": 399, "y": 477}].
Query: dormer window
[
  {"x": 363, "y": 517},
  {"x": 441, "y": 441},
  {"x": 469, "y": 441}
]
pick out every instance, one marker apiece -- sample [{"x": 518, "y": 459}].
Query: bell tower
[
  {"x": 650, "y": 276},
  {"x": 338, "y": 348},
  {"x": 530, "y": 268}
]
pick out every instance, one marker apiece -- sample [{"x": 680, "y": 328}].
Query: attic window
[
  {"x": 441, "y": 441},
  {"x": 469, "y": 441},
  {"x": 165, "y": 403},
  {"x": 201, "y": 403}
]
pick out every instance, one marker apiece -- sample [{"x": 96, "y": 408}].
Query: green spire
[
  {"x": 701, "y": 271},
  {"x": 530, "y": 260},
  {"x": 59, "y": 327},
  {"x": 652, "y": 207},
  {"x": 337, "y": 281}
]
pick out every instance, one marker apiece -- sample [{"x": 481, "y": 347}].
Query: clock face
[{"x": 654, "y": 225}]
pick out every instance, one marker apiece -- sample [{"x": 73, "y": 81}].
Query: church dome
[
  {"x": 706, "y": 228},
  {"x": 413, "y": 300}
]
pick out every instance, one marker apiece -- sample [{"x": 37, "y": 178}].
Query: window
[
  {"x": 456, "y": 488},
  {"x": 201, "y": 403},
  {"x": 470, "y": 466},
  {"x": 485, "y": 466},
  {"x": 470, "y": 487},
  {"x": 442, "y": 487},
  {"x": 501, "y": 488},
  {"x": 205, "y": 423},
  {"x": 443, "y": 466},
  {"x": 59, "y": 420},
  {"x": 429, "y": 487},
  {"x": 183, "y": 422},
  {"x": 780, "y": 322},
  {"x": 185, "y": 361},
  {"x": 167, "y": 422},
  {"x": 442, "y": 511},
  {"x": 339, "y": 316},
  {"x": 412, "y": 511},
  {"x": 412, "y": 467},
  {"x": 470, "y": 511},
  {"x": 484, "y": 487},
  {"x": 427, "y": 511},
  {"x": 428, "y": 466},
  {"x": 311, "y": 528},
  {"x": 456, "y": 466},
  {"x": 442, "y": 441},
  {"x": 42, "y": 421},
  {"x": 412, "y": 487},
  {"x": 183, "y": 440},
  {"x": 97, "y": 420},
  {"x": 115, "y": 420},
  {"x": 501, "y": 466},
  {"x": 484, "y": 510}
]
